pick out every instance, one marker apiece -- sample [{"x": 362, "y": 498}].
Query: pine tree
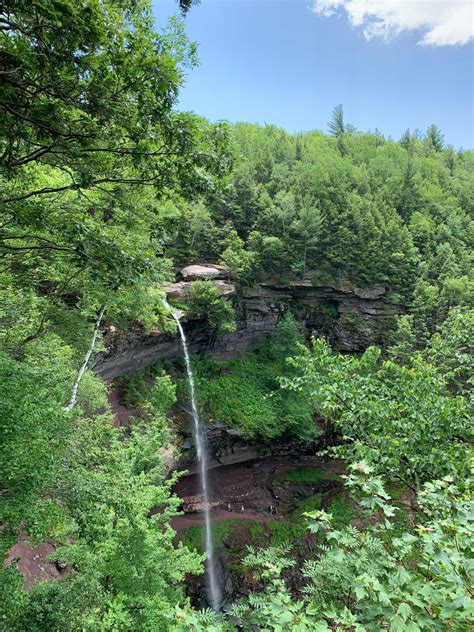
[
  {"x": 337, "y": 127},
  {"x": 434, "y": 138},
  {"x": 406, "y": 141},
  {"x": 336, "y": 124}
]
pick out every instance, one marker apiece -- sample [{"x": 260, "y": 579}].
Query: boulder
[
  {"x": 372, "y": 293},
  {"x": 203, "y": 271},
  {"x": 179, "y": 291},
  {"x": 182, "y": 289},
  {"x": 224, "y": 288}
]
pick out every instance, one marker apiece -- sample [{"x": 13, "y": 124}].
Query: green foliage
[
  {"x": 134, "y": 389},
  {"x": 336, "y": 126},
  {"x": 152, "y": 394},
  {"x": 95, "y": 501},
  {"x": 434, "y": 138},
  {"x": 244, "y": 393},
  {"x": 75, "y": 106},
  {"x": 193, "y": 537},
  {"x": 92, "y": 149},
  {"x": 35, "y": 427},
  {"x": 309, "y": 504},
  {"x": 307, "y": 227},
  {"x": 286, "y": 533},
  {"x": 356, "y": 209},
  {"x": 405, "y": 341},
  {"x": 105, "y": 187},
  {"x": 397, "y": 569},
  {"x": 206, "y": 303},
  {"x": 342, "y": 510},
  {"x": 366, "y": 579},
  {"x": 237, "y": 260},
  {"x": 95, "y": 167},
  {"x": 451, "y": 349},
  {"x": 401, "y": 419}
]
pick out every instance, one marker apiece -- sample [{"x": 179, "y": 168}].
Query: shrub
[
  {"x": 206, "y": 303},
  {"x": 244, "y": 393}
]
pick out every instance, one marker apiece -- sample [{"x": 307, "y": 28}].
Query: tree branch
[{"x": 72, "y": 187}]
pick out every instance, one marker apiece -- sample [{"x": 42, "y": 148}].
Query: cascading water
[{"x": 214, "y": 593}]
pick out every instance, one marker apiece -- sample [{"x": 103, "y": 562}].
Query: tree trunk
[{"x": 82, "y": 370}]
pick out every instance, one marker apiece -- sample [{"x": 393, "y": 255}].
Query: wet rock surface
[
  {"x": 226, "y": 446},
  {"x": 249, "y": 500},
  {"x": 255, "y": 487}
]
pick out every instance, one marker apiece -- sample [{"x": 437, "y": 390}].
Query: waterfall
[{"x": 214, "y": 593}]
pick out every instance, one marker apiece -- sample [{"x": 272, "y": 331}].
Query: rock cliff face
[
  {"x": 349, "y": 318},
  {"x": 227, "y": 447}
]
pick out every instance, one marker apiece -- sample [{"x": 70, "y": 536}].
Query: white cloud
[{"x": 443, "y": 22}]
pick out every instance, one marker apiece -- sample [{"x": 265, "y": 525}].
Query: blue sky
[{"x": 276, "y": 61}]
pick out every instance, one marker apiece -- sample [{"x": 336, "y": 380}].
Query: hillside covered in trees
[
  {"x": 344, "y": 207},
  {"x": 106, "y": 190}
]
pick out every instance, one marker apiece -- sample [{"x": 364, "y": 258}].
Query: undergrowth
[{"x": 244, "y": 393}]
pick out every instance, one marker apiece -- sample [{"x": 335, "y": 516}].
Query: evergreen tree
[
  {"x": 336, "y": 124},
  {"x": 307, "y": 227},
  {"x": 406, "y": 141},
  {"x": 434, "y": 138},
  {"x": 337, "y": 127}
]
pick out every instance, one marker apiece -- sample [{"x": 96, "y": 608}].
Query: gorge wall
[{"x": 351, "y": 319}]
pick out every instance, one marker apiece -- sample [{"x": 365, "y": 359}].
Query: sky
[{"x": 392, "y": 64}]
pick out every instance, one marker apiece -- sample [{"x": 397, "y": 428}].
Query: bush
[
  {"x": 157, "y": 394},
  {"x": 244, "y": 393},
  {"x": 206, "y": 303}
]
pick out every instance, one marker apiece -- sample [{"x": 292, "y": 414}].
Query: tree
[
  {"x": 434, "y": 138},
  {"x": 336, "y": 124},
  {"x": 74, "y": 97},
  {"x": 337, "y": 127},
  {"x": 405, "y": 341},
  {"x": 206, "y": 303},
  {"x": 91, "y": 490},
  {"x": 402, "y": 420},
  {"x": 240, "y": 262},
  {"x": 185, "y": 5},
  {"x": 307, "y": 227},
  {"x": 95, "y": 164},
  {"x": 450, "y": 349},
  {"x": 35, "y": 427},
  {"x": 406, "y": 141},
  {"x": 409, "y": 200},
  {"x": 284, "y": 210},
  {"x": 92, "y": 150}
]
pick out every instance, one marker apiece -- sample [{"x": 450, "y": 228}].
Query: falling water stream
[{"x": 214, "y": 593}]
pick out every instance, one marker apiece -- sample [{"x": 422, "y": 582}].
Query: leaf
[{"x": 404, "y": 611}]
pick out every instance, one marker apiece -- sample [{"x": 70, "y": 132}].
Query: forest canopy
[{"x": 106, "y": 190}]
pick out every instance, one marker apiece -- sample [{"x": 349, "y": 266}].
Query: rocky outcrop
[
  {"x": 181, "y": 290},
  {"x": 34, "y": 562},
  {"x": 349, "y": 318},
  {"x": 134, "y": 351},
  {"x": 204, "y": 271},
  {"x": 226, "y": 446}
]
